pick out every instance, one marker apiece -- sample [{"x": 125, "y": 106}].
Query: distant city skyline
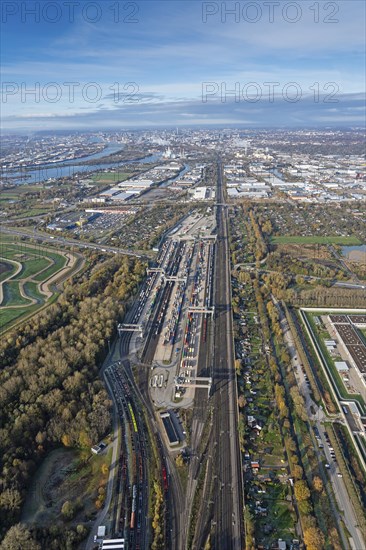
[{"x": 150, "y": 64}]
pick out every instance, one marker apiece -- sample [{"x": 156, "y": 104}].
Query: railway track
[{"x": 130, "y": 512}]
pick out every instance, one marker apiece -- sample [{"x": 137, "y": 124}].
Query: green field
[
  {"x": 34, "y": 260},
  {"x": 109, "y": 177},
  {"x": 291, "y": 239},
  {"x": 27, "y": 212},
  {"x": 58, "y": 263},
  {"x": 31, "y": 267},
  {"x": 38, "y": 265},
  {"x": 12, "y": 295},
  {"x": 10, "y": 316},
  {"x": 20, "y": 193},
  {"x": 21, "y": 190}
]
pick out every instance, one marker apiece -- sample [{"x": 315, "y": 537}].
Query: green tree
[{"x": 68, "y": 510}]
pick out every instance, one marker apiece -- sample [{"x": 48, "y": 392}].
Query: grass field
[
  {"x": 12, "y": 295},
  {"x": 32, "y": 212},
  {"x": 10, "y": 316},
  {"x": 316, "y": 240},
  {"x": 33, "y": 266},
  {"x": 14, "y": 192},
  {"x": 109, "y": 177},
  {"x": 58, "y": 263},
  {"x": 38, "y": 264},
  {"x": 19, "y": 193}
]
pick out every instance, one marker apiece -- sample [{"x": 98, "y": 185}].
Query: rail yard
[
  {"x": 178, "y": 479},
  {"x": 171, "y": 334},
  {"x": 168, "y": 332}
]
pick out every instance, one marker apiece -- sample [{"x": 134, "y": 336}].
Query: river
[{"x": 70, "y": 168}]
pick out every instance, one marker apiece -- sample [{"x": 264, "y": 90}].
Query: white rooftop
[{"x": 341, "y": 366}]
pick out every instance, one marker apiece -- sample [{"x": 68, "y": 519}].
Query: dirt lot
[
  {"x": 64, "y": 475},
  {"x": 305, "y": 251}
]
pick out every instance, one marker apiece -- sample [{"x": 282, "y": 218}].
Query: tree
[
  {"x": 40, "y": 437},
  {"x": 301, "y": 491},
  {"x": 305, "y": 508},
  {"x": 314, "y": 539},
  {"x": 238, "y": 366},
  {"x": 318, "y": 484},
  {"x": 250, "y": 529},
  {"x": 297, "y": 471},
  {"x": 241, "y": 401},
  {"x": 81, "y": 530},
  {"x": 68, "y": 510},
  {"x": 179, "y": 461},
  {"x": 11, "y": 500},
  {"x": 104, "y": 469},
  {"x": 19, "y": 538},
  {"x": 66, "y": 440},
  {"x": 84, "y": 440}
]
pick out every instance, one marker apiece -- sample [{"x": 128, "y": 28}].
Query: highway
[
  {"x": 69, "y": 242},
  {"x": 227, "y": 532}
]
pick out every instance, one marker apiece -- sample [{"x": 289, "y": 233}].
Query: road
[
  {"x": 69, "y": 242},
  {"x": 227, "y": 525}
]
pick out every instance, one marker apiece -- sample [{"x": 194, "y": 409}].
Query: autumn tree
[
  {"x": 238, "y": 366},
  {"x": 179, "y": 461},
  {"x": 314, "y": 539},
  {"x": 10, "y": 500},
  {"x": 318, "y": 484},
  {"x": 302, "y": 491},
  {"x": 297, "y": 471},
  {"x": 19, "y": 538},
  {"x": 241, "y": 401},
  {"x": 104, "y": 469}
]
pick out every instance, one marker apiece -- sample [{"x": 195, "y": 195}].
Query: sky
[{"x": 127, "y": 64}]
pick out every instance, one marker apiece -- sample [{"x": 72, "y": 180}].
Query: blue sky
[{"x": 149, "y": 63}]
